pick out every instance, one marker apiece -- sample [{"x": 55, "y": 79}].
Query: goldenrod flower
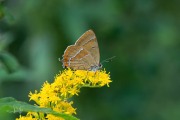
[
  {"x": 27, "y": 117},
  {"x": 66, "y": 84},
  {"x": 52, "y": 117}
]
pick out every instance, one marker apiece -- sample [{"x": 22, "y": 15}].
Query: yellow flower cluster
[{"x": 66, "y": 84}]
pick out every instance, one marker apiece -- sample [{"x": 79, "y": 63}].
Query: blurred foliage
[{"x": 142, "y": 34}]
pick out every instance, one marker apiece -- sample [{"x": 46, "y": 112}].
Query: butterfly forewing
[{"x": 89, "y": 42}]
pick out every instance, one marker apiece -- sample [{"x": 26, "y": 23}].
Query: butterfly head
[{"x": 96, "y": 67}]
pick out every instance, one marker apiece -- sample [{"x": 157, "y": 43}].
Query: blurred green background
[{"x": 144, "y": 35}]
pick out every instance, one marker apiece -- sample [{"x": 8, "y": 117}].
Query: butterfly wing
[
  {"x": 77, "y": 58},
  {"x": 84, "y": 54},
  {"x": 89, "y": 42}
]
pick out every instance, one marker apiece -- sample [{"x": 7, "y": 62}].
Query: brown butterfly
[{"x": 84, "y": 54}]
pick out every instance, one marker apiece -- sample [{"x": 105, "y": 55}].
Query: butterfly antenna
[{"x": 108, "y": 59}]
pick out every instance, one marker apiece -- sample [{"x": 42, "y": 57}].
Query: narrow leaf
[{"x": 12, "y": 105}]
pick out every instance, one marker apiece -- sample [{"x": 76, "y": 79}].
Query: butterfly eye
[{"x": 100, "y": 65}]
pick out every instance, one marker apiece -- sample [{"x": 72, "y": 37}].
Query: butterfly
[{"x": 84, "y": 54}]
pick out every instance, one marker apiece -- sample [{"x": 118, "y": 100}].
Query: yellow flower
[
  {"x": 64, "y": 91},
  {"x": 65, "y": 107},
  {"x": 34, "y": 96},
  {"x": 52, "y": 117},
  {"x": 74, "y": 91},
  {"x": 66, "y": 84},
  {"x": 26, "y": 118}
]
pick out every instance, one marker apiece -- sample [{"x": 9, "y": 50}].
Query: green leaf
[{"x": 12, "y": 105}]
